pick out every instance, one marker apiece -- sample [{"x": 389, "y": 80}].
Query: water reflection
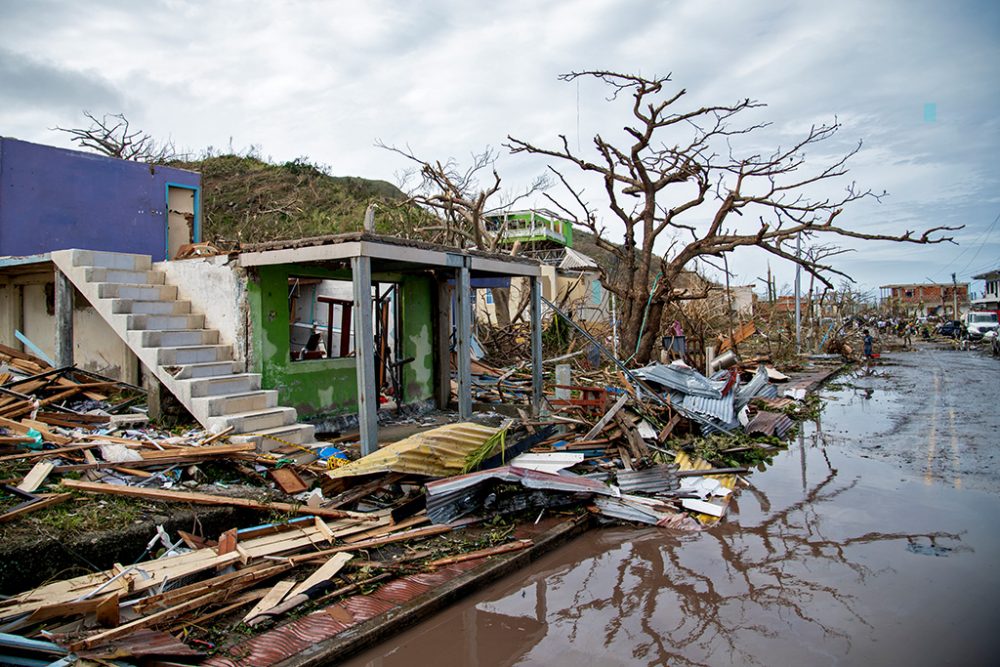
[{"x": 790, "y": 567}]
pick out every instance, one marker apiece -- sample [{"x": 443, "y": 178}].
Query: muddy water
[{"x": 868, "y": 543}]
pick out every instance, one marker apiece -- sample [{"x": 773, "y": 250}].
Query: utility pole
[
  {"x": 798, "y": 296},
  {"x": 954, "y": 297}
]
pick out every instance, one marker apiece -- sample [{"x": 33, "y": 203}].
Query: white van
[{"x": 980, "y": 323}]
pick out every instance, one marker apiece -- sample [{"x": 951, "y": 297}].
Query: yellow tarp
[{"x": 439, "y": 452}]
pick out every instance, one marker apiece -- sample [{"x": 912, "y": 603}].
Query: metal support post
[
  {"x": 364, "y": 353},
  {"x": 536, "y": 345},
  {"x": 64, "y": 320},
  {"x": 463, "y": 349}
]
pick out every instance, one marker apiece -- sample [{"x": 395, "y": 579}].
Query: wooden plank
[
  {"x": 108, "y": 611},
  {"x": 36, "y": 476},
  {"x": 246, "y": 576},
  {"x": 24, "y": 426},
  {"x": 47, "y": 452},
  {"x": 288, "y": 480},
  {"x": 273, "y": 598},
  {"x": 200, "y": 499},
  {"x": 71, "y": 608},
  {"x": 377, "y": 542},
  {"x": 27, "y": 508},
  {"x": 608, "y": 416},
  {"x": 325, "y": 572},
  {"x": 482, "y": 553}
]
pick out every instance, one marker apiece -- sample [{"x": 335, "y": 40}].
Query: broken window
[{"x": 319, "y": 318}]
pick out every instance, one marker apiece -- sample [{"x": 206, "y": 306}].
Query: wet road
[{"x": 874, "y": 540}]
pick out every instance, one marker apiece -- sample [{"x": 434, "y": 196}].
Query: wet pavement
[{"x": 873, "y": 540}]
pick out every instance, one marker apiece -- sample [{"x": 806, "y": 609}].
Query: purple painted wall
[{"x": 54, "y": 199}]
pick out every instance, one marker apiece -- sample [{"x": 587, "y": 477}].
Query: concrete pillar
[
  {"x": 464, "y": 347},
  {"x": 64, "y": 320},
  {"x": 364, "y": 353}
]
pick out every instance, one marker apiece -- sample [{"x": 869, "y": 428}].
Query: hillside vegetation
[{"x": 247, "y": 200}]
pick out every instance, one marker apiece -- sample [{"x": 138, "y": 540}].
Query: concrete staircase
[{"x": 185, "y": 356}]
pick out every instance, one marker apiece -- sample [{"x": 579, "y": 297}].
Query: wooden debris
[
  {"x": 36, "y": 477},
  {"x": 201, "y": 499}
]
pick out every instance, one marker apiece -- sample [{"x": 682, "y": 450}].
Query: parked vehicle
[
  {"x": 979, "y": 323},
  {"x": 950, "y": 328}
]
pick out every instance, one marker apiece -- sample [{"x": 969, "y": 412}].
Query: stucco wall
[
  {"x": 215, "y": 287},
  {"x": 54, "y": 199},
  {"x": 324, "y": 387}
]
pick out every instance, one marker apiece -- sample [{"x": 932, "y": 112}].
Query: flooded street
[{"x": 873, "y": 540}]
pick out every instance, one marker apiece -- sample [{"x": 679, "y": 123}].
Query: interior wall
[
  {"x": 321, "y": 387},
  {"x": 96, "y": 346}
]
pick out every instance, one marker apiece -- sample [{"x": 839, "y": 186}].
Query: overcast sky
[{"x": 917, "y": 81}]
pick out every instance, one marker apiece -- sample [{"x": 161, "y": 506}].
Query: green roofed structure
[{"x": 543, "y": 235}]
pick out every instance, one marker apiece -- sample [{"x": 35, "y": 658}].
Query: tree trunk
[{"x": 501, "y": 305}]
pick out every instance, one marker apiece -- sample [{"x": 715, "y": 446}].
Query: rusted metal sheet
[
  {"x": 770, "y": 423},
  {"x": 287, "y": 640}
]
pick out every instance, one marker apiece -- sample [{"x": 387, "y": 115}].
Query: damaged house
[{"x": 271, "y": 342}]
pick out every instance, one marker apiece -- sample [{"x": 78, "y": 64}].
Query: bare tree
[
  {"x": 460, "y": 200},
  {"x": 677, "y": 168},
  {"x": 112, "y": 135}
]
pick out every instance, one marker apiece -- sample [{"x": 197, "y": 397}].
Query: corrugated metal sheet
[
  {"x": 455, "y": 497},
  {"x": 439, "y": 452},
  {"x": 770, "y": 423},
  {"x": 574, "y": 259},
  {"x": 292, "y": 638},
  {"x": 753, "y": 388},
  {"x": 658, "y": 479},
  {"x": 683, "y": 379},
  {"x": 632, "y": 508},
  {"x": 720, "y": 409}
]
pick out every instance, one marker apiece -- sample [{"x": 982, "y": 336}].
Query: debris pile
[{"x": 618, "y": 445}]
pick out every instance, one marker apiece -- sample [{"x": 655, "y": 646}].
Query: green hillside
[{"x": 246, "y": 200}]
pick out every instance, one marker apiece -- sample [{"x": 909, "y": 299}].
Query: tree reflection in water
[{"x": 709, "y": 602}]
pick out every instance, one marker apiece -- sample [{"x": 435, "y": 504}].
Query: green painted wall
[{"x": 320, "y": 387}]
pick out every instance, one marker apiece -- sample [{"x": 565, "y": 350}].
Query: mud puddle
[{"x": 830, "y": 558}]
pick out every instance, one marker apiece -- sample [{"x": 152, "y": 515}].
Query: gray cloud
[{"x": 27, "y": 83}]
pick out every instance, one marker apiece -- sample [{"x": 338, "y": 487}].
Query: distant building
[
  {"x": 923, "y": 299},
  {"x": 570, "y": 279},
  {"x": 990, "y": 300}
]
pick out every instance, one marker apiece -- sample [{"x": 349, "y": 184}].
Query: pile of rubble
[{"x": 620, "y": 451}]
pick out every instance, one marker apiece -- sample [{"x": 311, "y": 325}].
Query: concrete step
[
  {"x": 136, "y": 292},
  {"x": 253, "y": 421},
  {"x": 193, "y": 354},
  {"x": 165, "y": 321},
  {"x": 203, "y": 370},
  {"x": 150, "y": 307},
  {"x": 177, "y": 337},
  {"x": 99, "y": 275},
  {"x": 111, "y": 260},
  {"x": 273, "y": 438},
  {"x": 224, "y": 384},
  {"x": 225, "y": 404}
]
